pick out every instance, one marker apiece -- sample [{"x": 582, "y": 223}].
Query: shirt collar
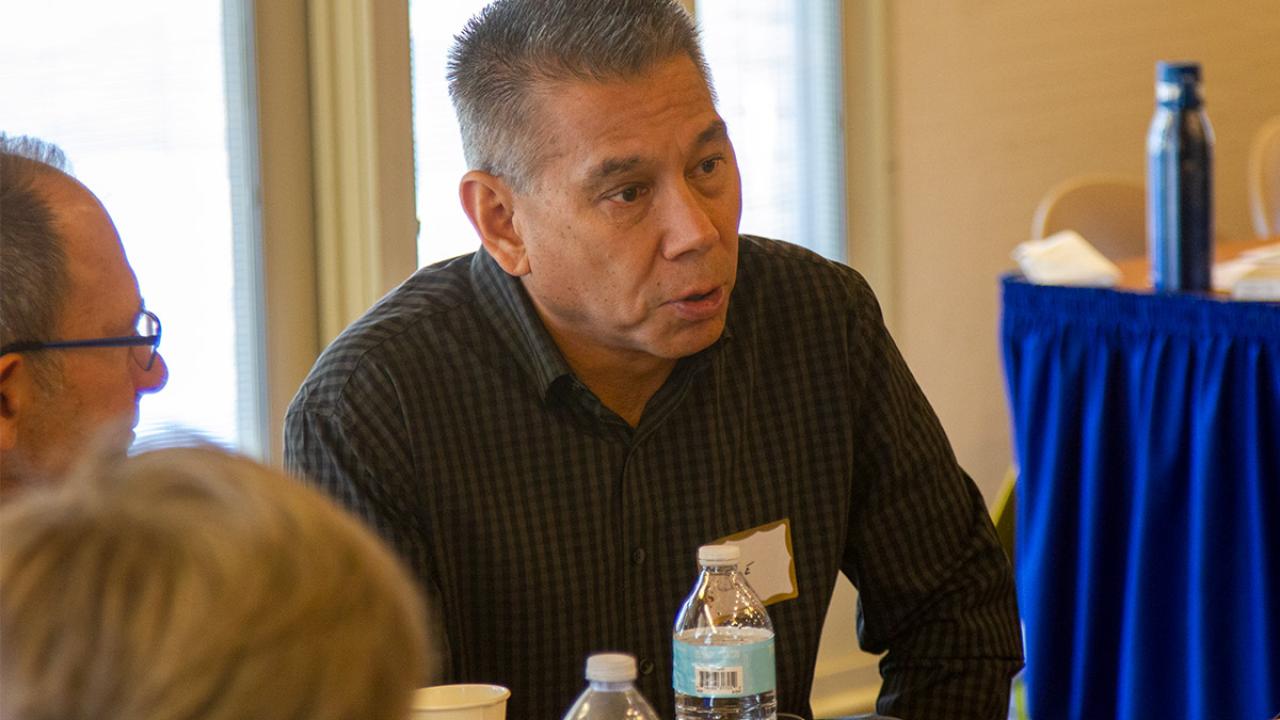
[{"x": 506, "y": 304}]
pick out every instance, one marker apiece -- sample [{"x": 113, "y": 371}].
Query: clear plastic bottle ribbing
[{"x": 723, "y": 646}]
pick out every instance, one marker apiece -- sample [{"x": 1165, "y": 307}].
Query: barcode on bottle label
[
  {"x": 718, "y": 679},
  {"x": 721, "y": 671}
]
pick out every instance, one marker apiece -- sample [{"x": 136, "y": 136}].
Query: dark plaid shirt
[{"x": 544, "y": 528}]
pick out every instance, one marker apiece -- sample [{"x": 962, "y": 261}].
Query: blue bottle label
[{"x": 738, "y": 670}]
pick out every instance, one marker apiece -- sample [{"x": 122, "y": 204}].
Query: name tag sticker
[{"x": 767, "y": 561}]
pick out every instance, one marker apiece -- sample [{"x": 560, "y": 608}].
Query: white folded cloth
[
  {"x": 1255, "y": 275},
  {"x": 1065, "y": 258}
]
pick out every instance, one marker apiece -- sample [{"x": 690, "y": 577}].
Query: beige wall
[{"x": 992, "y": 102}]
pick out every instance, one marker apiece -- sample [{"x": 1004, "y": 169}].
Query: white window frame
[{"x": 334, "y": 194}]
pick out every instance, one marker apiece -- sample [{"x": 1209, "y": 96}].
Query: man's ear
[
  {"x": 488, "y": 202},
  {"x": 17, "y": 391}
]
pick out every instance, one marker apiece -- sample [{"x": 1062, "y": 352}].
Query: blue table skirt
[{"x": 1147, "y": 433}]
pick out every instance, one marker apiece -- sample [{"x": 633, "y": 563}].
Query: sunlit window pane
[
  {"x": 134, "y": 92},
  {"x": 444, "y": 231},
  {"x": 776, "y": 67}
]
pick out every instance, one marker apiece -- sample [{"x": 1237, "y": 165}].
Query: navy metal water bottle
[{"x": 1180, "y": 182}]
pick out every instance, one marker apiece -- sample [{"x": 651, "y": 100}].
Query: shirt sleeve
[
  {"x": 323, "y": 448},
  {"x": 935, "y": 588},
  {"x": 359, "y": 457}
]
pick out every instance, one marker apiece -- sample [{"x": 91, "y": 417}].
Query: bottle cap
[
  {"x": 719, "y": 555},
  {"x": 1179, "y": 73},
  {"x": 611, "y": 667}
]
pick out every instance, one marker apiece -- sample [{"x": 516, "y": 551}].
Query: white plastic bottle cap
[
  {"x": 719, "y": 555},
  {"x": 611, "y": 667}
]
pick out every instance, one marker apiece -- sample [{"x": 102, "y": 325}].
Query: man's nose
[
  {"x": 149, "y": 381},
  {"x": 689, "y": 225}
]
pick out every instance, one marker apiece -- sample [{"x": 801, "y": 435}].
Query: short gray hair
[
  {"x": 191, "y": 582},
  {"x": 514, "y": 44},
  {"x": 33, "y": 262}
]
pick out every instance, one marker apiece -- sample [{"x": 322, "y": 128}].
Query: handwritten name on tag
[{"x": 767, "y": 561}]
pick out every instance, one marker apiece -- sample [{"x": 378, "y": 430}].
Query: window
[
  {"x": 776, "y": 67},
  {"x": 445, "y": 230},
  {"x": 137, "y": 94}
]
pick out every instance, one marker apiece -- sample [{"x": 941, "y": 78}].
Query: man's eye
[
  {"x": 628, "y": 194},
  {"x": 709, "y": 165}
]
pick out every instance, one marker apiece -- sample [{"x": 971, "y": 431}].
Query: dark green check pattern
[{"x": 545, "y": 529}]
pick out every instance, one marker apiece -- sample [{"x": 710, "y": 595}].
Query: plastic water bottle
[
  {"x": 1180, "y": 182},
  {"x": 611, "y": 692},
  {"x": 723, "y": 657}
]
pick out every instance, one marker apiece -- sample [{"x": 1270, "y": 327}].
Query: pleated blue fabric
[{"x": 1147, "y": 433}]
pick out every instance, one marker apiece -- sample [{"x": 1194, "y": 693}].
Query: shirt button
[
  {"x": 637, "y": 556},
  {"x": 646, "y": 666}
]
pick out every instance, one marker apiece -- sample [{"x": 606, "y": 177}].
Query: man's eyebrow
[
  {"x": 617, "y": 166},
  {"x": 613, "y": 166},
  {"x": 715, "y": 131}
]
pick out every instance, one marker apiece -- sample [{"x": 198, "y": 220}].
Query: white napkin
[
  {"x": 1065, "y": 258},
  {"x": 1255, "y": 275}
]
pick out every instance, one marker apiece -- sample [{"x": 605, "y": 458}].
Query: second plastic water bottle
[
  {"x": 611, "y": 694},
  {"x": 723, "y": 656}
]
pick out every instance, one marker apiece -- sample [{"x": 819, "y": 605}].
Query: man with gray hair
[
  {"x": 77, "y": 347},
  {"x": 549, "y": 428}
]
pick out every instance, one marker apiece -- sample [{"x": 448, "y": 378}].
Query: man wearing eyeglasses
[{"x": 77, "y": 348}]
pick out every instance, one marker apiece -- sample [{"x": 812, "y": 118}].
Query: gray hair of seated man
[
  {"x": 191, "y": 582},
  {"x": 513, "y": 46},
  {"x": 33, "y": 264}
]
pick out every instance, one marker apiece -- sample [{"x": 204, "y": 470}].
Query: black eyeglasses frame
[{"x": 123, "y": 341}]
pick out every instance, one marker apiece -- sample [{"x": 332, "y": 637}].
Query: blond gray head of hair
[{"x": 193, "y": 583}]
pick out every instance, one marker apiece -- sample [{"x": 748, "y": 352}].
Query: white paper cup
[{"x": 460, "y": 702}]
